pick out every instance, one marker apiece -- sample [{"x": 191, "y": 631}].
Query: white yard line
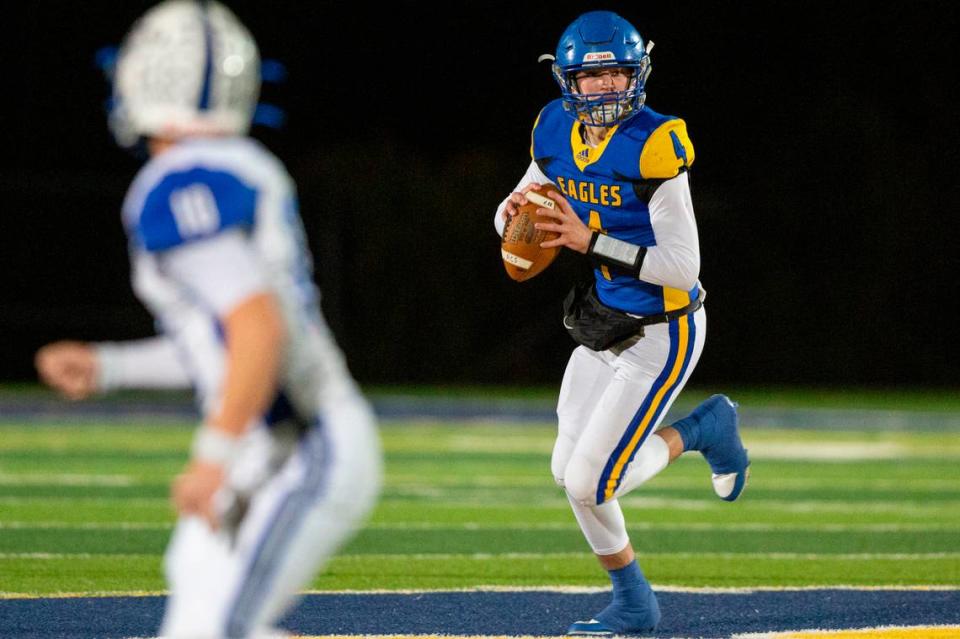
[
  {"x": 674, "y": 555},
  {"x": 588, "y": 590},
  {"x": 84, "y": 595},
  {"x": 73, "y": 555},
  {"x": 569, "y": 590},
  {"x": 439, "y": 498},
  {"x": 636, "y": 502},
  {"x": 559, "y": 526},
  {"x": 554, "y": 555},
  {"x": 410, "y": 483},
  {"x": 832, "y": 451},
  {"x": 879, "y": 506},
  {"x": 700, "y": 526},
  {"x": 69, "y": 525},
  {"x": 65, "y": 479},
  {"x": 76, "y": 502}
]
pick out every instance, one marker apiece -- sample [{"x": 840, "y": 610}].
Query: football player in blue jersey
[
  {"x": 623, "y": 171},
  {"x": 286, "y": 461}
]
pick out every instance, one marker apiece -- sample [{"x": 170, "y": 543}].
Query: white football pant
[
  {"x": 237, "y": 588},
  {"x": 609, "y": 406}
]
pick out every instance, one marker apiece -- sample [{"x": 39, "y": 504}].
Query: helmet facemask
[
  {"x": 604, "y": 109},
  {"x": 599, "y": 40}
]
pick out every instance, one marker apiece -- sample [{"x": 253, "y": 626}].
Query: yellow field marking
[
  {"x": 920, "y": 632},
  {"x": 884, "y": 632},
  {"x": 423, "y": 637},
  {"x": 426, "y": 637}
]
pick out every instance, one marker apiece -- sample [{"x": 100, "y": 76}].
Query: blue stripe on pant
[
  {"x": 277, "y": 537},
  {"x": 604, "y": 491}
]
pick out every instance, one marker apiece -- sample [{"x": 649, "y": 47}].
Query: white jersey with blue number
[{"x": 191, "y": 214}]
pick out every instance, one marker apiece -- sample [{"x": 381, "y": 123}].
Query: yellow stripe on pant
[{"x": 647, "y": 422}]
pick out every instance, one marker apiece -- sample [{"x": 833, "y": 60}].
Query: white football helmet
[{"x": 185, "y": 68}]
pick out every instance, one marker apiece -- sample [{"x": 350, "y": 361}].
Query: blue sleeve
[{"x": 193, "y": 204}]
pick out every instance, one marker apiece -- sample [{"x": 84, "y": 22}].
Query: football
[{"x": 522, "y": 256}]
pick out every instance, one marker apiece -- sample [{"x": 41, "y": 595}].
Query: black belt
[
  {"x": 599, "y": 327},
  {"x": 669, "y": 316}
]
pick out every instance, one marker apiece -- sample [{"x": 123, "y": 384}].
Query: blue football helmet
[{"x": 602, "y": 39}]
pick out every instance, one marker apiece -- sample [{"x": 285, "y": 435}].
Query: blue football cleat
[
  {"x": 621, "y": 619},
  {"x": 712, "y": 429}
]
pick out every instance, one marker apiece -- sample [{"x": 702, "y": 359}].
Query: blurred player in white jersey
[{"x": 286, "y": 462}]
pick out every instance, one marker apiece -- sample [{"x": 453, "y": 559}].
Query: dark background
[{"x": 825, "y": 183}]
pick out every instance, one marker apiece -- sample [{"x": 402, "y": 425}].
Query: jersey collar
[{"x": 583, "y": 154}]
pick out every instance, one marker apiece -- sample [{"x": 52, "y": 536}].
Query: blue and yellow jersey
[{"x": 610, "y": 186}]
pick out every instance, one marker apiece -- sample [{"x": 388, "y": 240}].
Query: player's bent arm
[
  {"x": 80, "y": 369},
  {"x": 675, "y": 260},
  {"x": 533, "y": 175},
  {"x": 224, "y": 273},
  {"x": 255, "y": 338},
  {"x": 146, "y": 363}
]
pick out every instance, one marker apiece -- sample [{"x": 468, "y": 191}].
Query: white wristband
[
  {"x": 617, "y": 254},
  {"x": 211, "y": 444},
  {"x": 108, "y": 366},
  {"x": 616, "y": 250}
]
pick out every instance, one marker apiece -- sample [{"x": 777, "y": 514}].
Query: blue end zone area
[{"x": 505, "y": 613}]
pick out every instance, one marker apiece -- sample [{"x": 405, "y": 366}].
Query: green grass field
[{"x": 83, "y": 509}]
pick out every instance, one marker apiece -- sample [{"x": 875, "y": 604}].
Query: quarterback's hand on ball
[
  {"x": 69, "y": 367},
  {"x": 574, "y": 234},
  {"x": 518, "y": 199},
  {"x": 194, "y": 490}
]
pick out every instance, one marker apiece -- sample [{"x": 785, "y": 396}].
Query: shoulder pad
[
  {"x": 667, "y": 152},
  {"x": 193, "y": 204},
  {"x": 546, "y": 130}
]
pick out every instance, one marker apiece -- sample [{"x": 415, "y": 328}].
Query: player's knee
[
  {"x": 557, "y": 467},
  {"x": 562, "y": 450},
  {"x": 580, "y": 482}
]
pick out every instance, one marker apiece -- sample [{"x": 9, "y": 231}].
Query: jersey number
[{"x": 195, "y": 210}]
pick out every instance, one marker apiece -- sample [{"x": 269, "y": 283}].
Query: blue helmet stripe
[{"x": 204, "y": 102}]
